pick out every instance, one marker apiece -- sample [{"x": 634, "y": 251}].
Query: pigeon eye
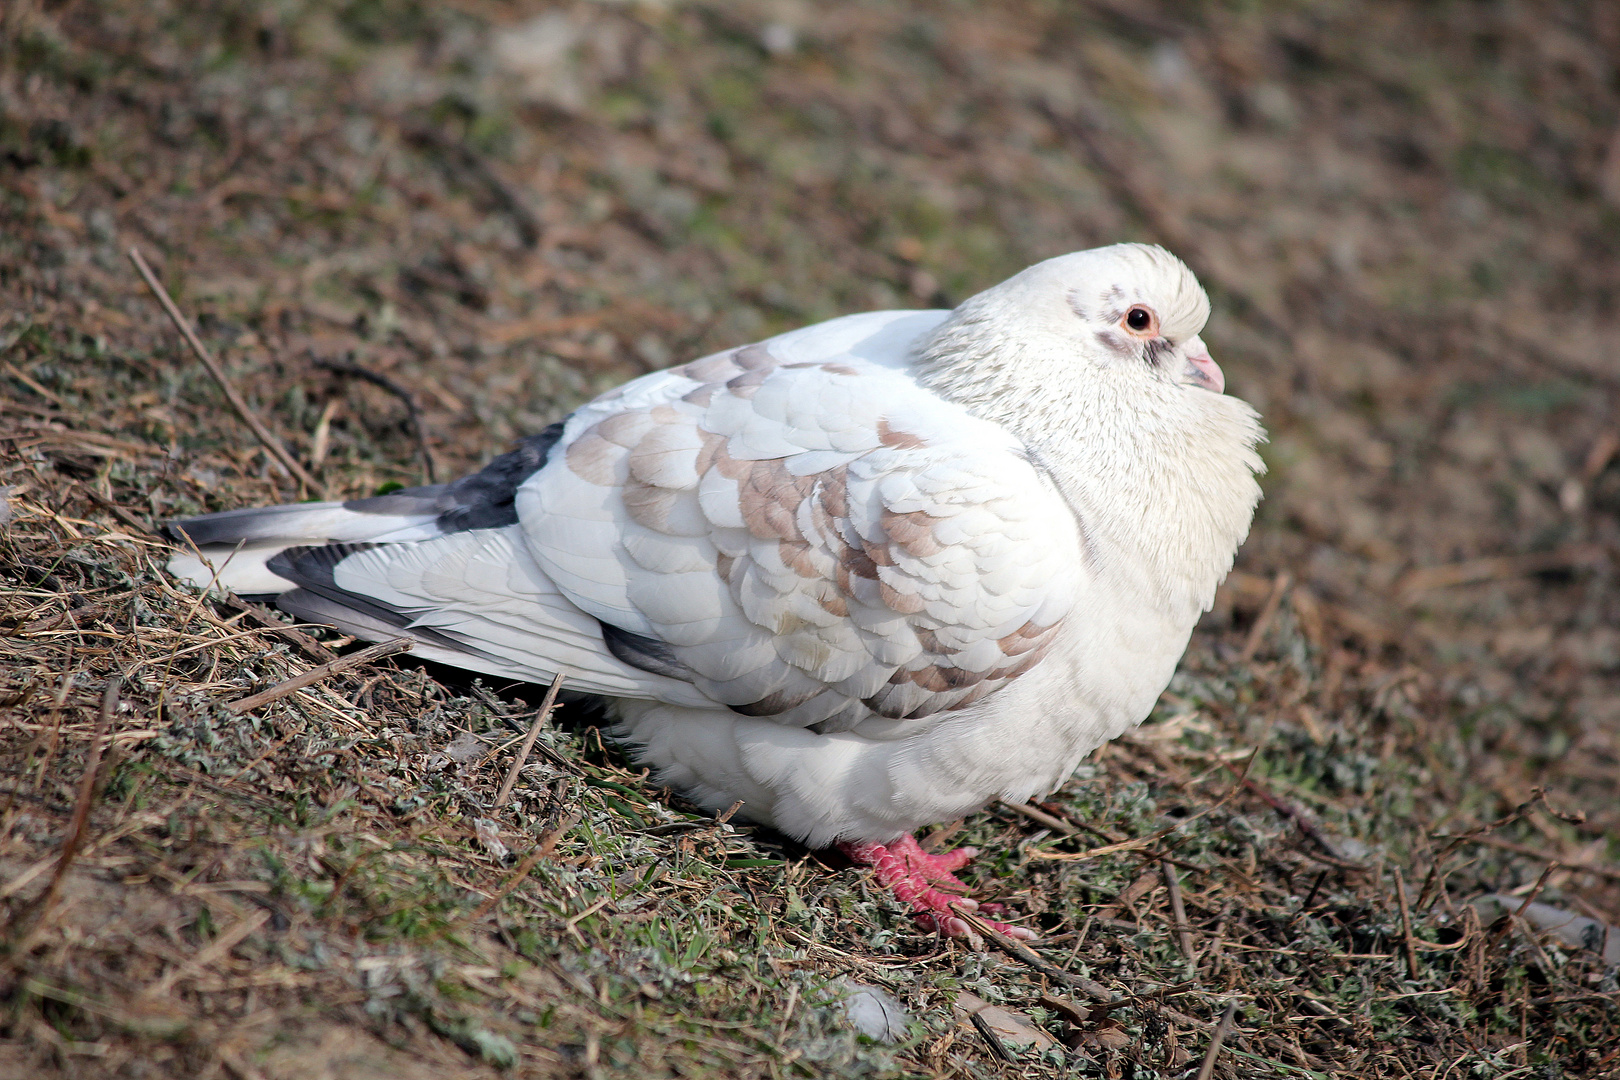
[{"x": 1141, "y": 320}]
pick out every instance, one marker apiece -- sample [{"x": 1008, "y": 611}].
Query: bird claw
[
  {"x": 913, "y": 874},
  {"x": 954, "y": 926}
]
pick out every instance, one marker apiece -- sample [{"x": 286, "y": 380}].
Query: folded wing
[
  {"x": 818, "y": 541},
  {"x": 793, "y": 530}
]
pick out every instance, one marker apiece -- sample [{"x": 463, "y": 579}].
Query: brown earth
[{"x": 1408, "y": 216}]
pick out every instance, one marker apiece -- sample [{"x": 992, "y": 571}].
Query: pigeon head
[
  {"x": 1093, "y": 359},
  {"x": 1143, "y": 306},
  {"x": 1113, "y": 316}
]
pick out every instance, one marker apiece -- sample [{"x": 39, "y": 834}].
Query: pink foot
[
  {"x": 938, "y": 868},
  {"x": 907, "y": 871}
]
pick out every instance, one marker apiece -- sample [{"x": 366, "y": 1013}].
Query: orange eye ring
[{"x": 1141, "y": 321}]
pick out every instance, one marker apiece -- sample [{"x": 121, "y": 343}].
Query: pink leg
[
  {"x": 937, "y": 868},
  {"x": 906, "y": 870},
  {"x": 933, "y": 867}
]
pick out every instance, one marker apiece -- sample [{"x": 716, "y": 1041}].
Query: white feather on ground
[
  {"x": 874, "y": 1013},
  {"x": 1571, "y": 930}
]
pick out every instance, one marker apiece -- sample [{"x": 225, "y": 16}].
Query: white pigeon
[{"x": 860, "y": 577}]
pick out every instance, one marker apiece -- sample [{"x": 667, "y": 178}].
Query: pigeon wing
[{"x": 801, "y": 532}]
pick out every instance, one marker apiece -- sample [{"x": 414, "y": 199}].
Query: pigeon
[{"x": 860, "y": 577}]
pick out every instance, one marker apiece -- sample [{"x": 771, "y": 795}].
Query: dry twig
[
  {"x": 1602, "y": 870},
  {"x": 1262, "y": 622},
  {"x": 271, "y": 444},
  {"x": 528, "y": 224},
  {"x": 1300, "y": 819},
  {"x": 217, "y": 948},
  {"x": 315, "y": 675},
  {"x": 1025, "y": 955},
  {"x": 518, "y": 762},
  {"x": 413, "y": 413},
  {"x": 81, "y": 808},
  {"x": 1529, "y": 898},
  {"x": 1406, "y": 926},
  {"x": 1207, "y": 1069},
  {"x": 1040, "y": 817},
  {"x": 1179, "y": 911},
  {"x": 1499, "y": 568},
  {"x": 129, "y": 519},
  {"x": 988, "y": 1033},
  {"x": 1479, "y": 834},
  {"x": 1153, "y": 838},
  {"x": 548, "y": 844},
  {"x": 271, "y": 621}
]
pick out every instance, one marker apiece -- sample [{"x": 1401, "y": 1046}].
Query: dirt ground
[{"x": 414, "y": 231}]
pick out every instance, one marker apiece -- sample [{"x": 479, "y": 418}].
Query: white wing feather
[
  {"x": 797, "y": 528},
  {"x": 817, "y": 541}
]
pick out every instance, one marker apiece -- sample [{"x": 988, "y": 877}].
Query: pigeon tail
[{"x": 233, "y": 549}]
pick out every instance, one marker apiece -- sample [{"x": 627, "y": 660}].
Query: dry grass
[{"x": 1408, "y": 216}]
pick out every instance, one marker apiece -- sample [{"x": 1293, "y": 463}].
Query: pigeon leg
[
  {"x": 937, "y": 868},
  {"x": 910, "y": 873}
]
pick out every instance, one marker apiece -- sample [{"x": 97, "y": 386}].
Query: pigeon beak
[{"x": 1202, "y": 370}]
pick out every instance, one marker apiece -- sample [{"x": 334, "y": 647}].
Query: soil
[{"x": 414, "y": 232}]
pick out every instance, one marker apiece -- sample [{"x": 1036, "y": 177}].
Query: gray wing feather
[{"x": 480, "y": 501}]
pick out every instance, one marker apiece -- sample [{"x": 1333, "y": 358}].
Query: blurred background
[{"x": 1407, "y": 216}]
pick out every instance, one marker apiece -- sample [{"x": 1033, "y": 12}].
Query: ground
[{"x": 1406, "y": 699}]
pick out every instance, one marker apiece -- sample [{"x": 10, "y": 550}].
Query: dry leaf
[
  {"x": 1109, "y": 1035},
  {"x": 1015, "y": 1029}
]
